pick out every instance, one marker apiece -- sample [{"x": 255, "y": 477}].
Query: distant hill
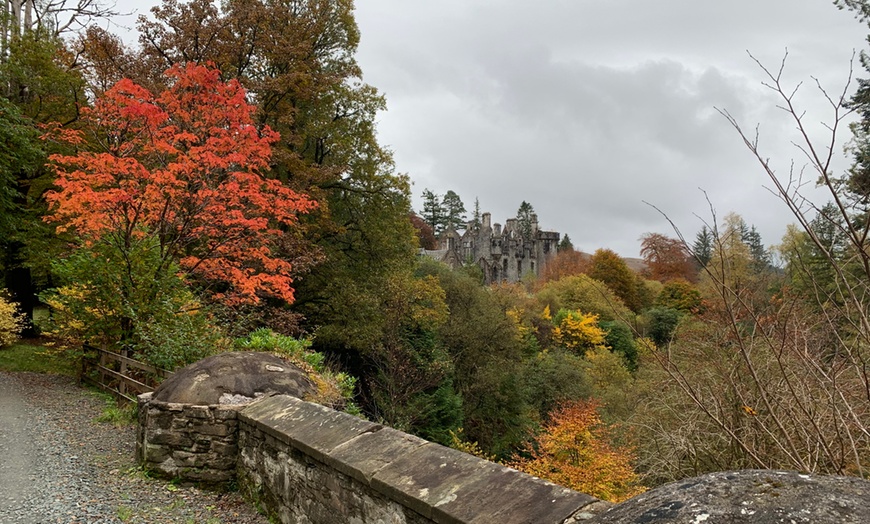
[{"x": 635, "y": 264}]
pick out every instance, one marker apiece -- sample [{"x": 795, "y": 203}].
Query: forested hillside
[{"x": 224, "y": 176}]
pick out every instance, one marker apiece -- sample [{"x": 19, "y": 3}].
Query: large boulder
[
  {"x": 234, "y": 378},
  {"x": 751, "y": 496}
]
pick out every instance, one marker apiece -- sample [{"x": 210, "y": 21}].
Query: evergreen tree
[
  {"x": 565, "y": 244},
  {"x": 454, "y": 211},
  {"x": 475, "y": 217},
  {"x": 760, "y": 257},
  {"x": 703, "y": 246},
  {"x": 433, "y": 211},
  {"x": 524, "y": 219}
]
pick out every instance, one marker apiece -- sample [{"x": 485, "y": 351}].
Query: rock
[
  {"x": 751, "y": 496},
  {"x": 234, "y": 378}
]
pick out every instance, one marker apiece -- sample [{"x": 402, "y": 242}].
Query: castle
[{"x": 504, "y": 255}]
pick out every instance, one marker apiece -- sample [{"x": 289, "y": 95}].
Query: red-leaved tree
[{"x": 184, "y": 169}]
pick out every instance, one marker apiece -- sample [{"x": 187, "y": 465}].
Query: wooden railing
[{"x": 116, "y": 373}]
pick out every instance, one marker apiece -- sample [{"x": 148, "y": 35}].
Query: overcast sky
[{"x": 586, "y": 109}]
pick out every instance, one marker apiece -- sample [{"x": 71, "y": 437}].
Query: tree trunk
[
  {"x": 19, "y": 283},
  {"x": 28, "y": 15}
]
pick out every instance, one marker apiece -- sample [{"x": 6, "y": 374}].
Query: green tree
[
  {"x": 454, "y": 211},
  {"x": 487, "y": 354},
  {"x": 475, "y": 216},
  {"x": 20, "y": 160},
  {"x": 40, "y": 85},
  {"x": 565, "y": 244},
  {"x": 760, "y": 256},
  {"x": 702, "y": 248},
  {"x": 21, "y": 163},
  {"x": 681, "y": 295},
  {"x": 661, "y": 324},
  {"x": 106, "y": 296},
  {"x": 433, "y": 211},
  {"x": 580, "y": 292},
  {"x": 608, "y": 267},
  {"x": 297, "y": 59},
  {"x": 620, "y": 339},
  {"x": 412, "y": 388},
  {"x": 524, "y": 219}
]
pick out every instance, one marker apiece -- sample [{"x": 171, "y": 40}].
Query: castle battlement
[{"x": 503, "y": 254}]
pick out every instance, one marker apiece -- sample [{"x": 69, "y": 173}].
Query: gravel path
[{"x": 58, "y": 465}]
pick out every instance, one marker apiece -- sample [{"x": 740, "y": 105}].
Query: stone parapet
[
  {"x": 198, "y": 443},
  {"x": 304, "y": 462},
  {"x": 308, "y": 463}
]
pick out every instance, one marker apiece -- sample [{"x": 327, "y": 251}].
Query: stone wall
[
  {"x": 304, "y": 462},
  {"x": 308, "y": 463},
  {"x": 189, "y": 442}
]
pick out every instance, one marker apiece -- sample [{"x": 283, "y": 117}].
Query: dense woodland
[{"x": 223, "y": 179}]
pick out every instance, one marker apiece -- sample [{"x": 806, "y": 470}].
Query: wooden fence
[{"x": 116, "y": 373}]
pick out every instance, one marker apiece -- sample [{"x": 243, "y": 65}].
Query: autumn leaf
[
  {"x": 183, "y": 166},
  {"x": 574, "y": 450}
]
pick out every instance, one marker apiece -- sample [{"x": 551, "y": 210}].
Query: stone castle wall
[{"x": 503, "y": 254}]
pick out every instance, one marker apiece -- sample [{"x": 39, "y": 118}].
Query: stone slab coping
[
  {"x": 440, "y": 483},
  {"x": 229, "y": 410}
]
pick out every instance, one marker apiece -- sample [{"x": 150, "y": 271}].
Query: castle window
[
  {"x": 519, "y": 268},
  {"x": 546, "y": 246},
  {"x": 533, "y": 267},
  {"x": 504, "y": 266}
]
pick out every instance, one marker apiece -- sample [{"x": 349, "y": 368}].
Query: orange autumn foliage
[
  {"x": 184, "y": 167},
  {"x": 667, "y": 258},
  {"x": 566, "y": 263},
  {"x": 574, "y": 450}
]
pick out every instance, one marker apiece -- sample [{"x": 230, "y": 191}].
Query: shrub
[
  {"x": 141, "y": 303},
  {"x": 11, "y": 321},
  {"x": 334, "y": 389}
]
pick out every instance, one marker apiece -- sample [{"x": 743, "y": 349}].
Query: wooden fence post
[{"x": 122, "y": 386}]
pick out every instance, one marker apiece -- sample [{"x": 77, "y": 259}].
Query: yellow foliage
[
  {"x": 645, "y": 346},
  {"x": 515, "y": 316},
  {"x": 574, "y": 450},
  {"x": 11, "y": 321},
  {"x": 457, "y": 442},
  {"x": 546, "y": 315},
  {"x": 422, "y": 299},
  {"x": 579, "y": 332}
]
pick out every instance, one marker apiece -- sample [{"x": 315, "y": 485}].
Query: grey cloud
[{"x": 588, "y": 108}]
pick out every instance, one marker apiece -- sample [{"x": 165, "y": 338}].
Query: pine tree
[
  {"x": 454, "y": 211},
  {"x": 760, "y": 257},
  {"x": 433, "y": 211},
  {"x": 524, "y": 219},
  {"x": 475, "y": 218},
  {"x": 703, "y": 246},
  {"x": 565, "y": 244}
]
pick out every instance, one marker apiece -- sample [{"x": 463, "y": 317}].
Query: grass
[
  {"x": 36, "y": 358},
  {"x": 118, "y": 416},
  {"x": 125, "y": 513}
]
